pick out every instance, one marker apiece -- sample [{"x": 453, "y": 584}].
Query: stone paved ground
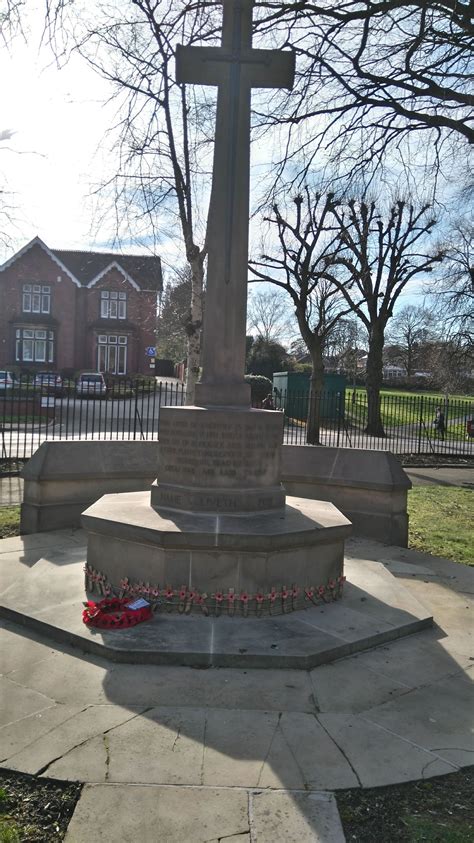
[{"x": 178, "y": 754}]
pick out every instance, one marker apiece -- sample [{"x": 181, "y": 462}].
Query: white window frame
[
  {"x": 36, "y": 298},
  {"x": 34, "y": 345},
  {"x": 113, "y": 305},
  {"x": 112, "y": 354}
]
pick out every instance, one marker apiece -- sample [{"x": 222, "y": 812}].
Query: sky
[
  {"x": 56, "y": 153},
  {"x": 59, "y": 152}
]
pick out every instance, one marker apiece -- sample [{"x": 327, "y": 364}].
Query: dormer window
[
  {"x": 113, "y": 305},
  {"x": 36, "y": 298}
]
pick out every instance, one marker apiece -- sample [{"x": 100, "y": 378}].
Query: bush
[{"x": 260, "y": 386}]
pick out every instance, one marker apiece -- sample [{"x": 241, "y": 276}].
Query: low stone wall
[
  {"x": 369, "y": 487},
  {"x": 62, "y": 479}
]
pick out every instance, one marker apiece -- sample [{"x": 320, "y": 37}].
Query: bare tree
[
  {"x": 174, "y": 317},
  {"x": 409, "y": 331},
  {"x": 453, "y": 297},
  {"x": 267, "y": 315},
  {"x": 163, "y": 174},
  {"x": 382, "y": 255},
  {"x": 307, "y": 246},
  {"x": 375, "y": 77}
]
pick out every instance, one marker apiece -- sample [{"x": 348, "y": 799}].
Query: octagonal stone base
[{"x": 301, "y": 545}]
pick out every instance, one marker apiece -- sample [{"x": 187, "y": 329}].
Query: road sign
[{"x": 151, "y": 351}]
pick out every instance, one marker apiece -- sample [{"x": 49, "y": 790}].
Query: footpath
[{"x": 180, "y": 755}]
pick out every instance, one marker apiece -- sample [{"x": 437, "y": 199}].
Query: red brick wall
[
  {"x": 36, "y": 267},
  {"x": 139, "y": 325},
  {"x": 77, "y": 312}
]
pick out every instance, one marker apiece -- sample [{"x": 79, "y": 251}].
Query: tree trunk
[
  {"x": 315, "y": 392},
  {"x": 374, "y": 381},
  {"x": 193, "y": 327}
]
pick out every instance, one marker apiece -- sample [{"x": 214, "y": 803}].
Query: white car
[
  {"x": 7, "y": 380},
  {"x": 91, "y": 383}
]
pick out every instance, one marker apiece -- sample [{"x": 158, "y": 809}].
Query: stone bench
[
  {"x": 63, "y": 478},
  {"x": 369, "y": 487}
]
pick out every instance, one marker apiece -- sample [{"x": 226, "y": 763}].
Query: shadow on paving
[{"x": 381, "y": 717}]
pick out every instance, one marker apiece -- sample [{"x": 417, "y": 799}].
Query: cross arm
[{"x": 264, "y": 68}]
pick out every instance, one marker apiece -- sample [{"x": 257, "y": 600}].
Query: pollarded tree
[
  {"x": 301, "y": 265},
  {"x": 382, "y": 255}
]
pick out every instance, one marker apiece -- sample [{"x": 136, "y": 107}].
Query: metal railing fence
[{"x": 130, "y": 409}]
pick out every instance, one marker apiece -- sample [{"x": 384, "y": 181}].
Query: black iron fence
[
  {"x": 130, "y": 409},
  {"x": 409, "y": 424}
]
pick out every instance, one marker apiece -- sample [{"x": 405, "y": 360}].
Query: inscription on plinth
[{"x": 219, "y": 459}]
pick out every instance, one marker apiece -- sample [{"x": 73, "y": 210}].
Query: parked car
[
  {"x": 91, "y": 383},
  {"x": 48, "y": 382},
  {"x": 7, "y": 380}
]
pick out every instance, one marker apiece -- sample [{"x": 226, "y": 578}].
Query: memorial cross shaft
[{"x": 235, "y": 68}]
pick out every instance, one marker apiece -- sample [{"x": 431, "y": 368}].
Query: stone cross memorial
[
  {"x": 217, "y": 531},
  {"x": 235, "y": 68},
  {"x": 225, "y": 458}
]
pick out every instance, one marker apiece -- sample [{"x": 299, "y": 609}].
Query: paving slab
[
  {"x": 21, "y": 734},
  {"x": 20, "y": 650},
  {"x": 295, "y": 818},
  {"x": 236, "y": 744},
  {"x": 438, "y": 717},
  {"x": 112, "y": 813},
  {"x": 420, "y": 660},
  {"x": 19, "y": 702},
  {"x": 352, "y": 685},
  {"x": 375, "y": 608},
  {"x": 40, "y": 753},
  {"x": 307, "y": 743},
  {"x": 96, "y": 680},
  {"x": 378, "y": 756},
  {"x": 164, "y": 746}
]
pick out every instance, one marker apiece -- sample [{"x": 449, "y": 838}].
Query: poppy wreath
[{"x": 113, "y": 613}]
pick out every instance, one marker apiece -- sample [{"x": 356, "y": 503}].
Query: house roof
[{"x": 86, "y": 268}]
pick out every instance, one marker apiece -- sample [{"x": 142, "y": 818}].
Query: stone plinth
[
  {"x": 219, "y": 459},
  {"x": 301, "y": 545}
]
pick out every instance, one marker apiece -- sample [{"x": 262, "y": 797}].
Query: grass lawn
[
  {"x": 9, "y": 521},
  {"x": 399, "y": 408},
  {"x": 441, "y": 520}
]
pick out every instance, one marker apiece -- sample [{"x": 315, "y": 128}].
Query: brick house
[{"x": 66, "y": 310}]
